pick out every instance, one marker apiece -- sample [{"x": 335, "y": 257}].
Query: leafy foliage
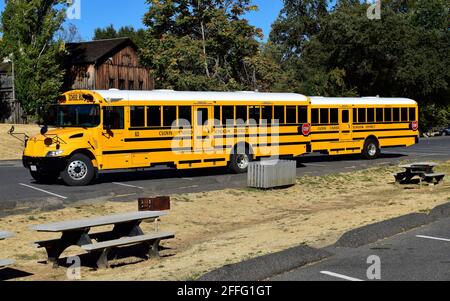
[
  {"x": 28, "y": 28},
  {"x": 201, "y": 45},
  {"x": 109, "y": 32},
  {"x": 342, "y": 52}
]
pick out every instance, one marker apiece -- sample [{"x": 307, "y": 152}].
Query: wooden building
[{"x": 106, "y": 64}]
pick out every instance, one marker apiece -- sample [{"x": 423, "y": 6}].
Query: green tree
[
  {"x": 201, "y": 45},
  {"x": 109, "y": 32},
  {"x": 29, "y": 28},
  {"x": 405, "y": 54}
]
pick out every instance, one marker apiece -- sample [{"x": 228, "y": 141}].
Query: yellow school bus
[
  {"x": 362, "y": 125},
  {"x": 110, "y": 130}
]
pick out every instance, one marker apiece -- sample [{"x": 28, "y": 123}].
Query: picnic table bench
[
  {"x": 126, "y": 231},
  {"x": 423, "y": 170},
  {"x": 5, "y": 262}
]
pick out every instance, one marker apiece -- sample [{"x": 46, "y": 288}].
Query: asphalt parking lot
[
  {"x": 18, "y": 188},
  {"x": 422, "y": 254}
]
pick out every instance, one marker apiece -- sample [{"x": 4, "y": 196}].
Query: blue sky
[{"x": 101, "y": 13}]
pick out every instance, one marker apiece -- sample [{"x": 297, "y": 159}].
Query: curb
[
  {"x": 374, "y": 232},
  {"x": 263, "y": 267}
]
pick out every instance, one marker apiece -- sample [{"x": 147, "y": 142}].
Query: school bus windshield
[{"x": 85, "y": 116}]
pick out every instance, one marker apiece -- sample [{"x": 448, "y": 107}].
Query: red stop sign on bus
[
  {"x": 415, "y": 125},
  {"x": 306, "y": 129}
]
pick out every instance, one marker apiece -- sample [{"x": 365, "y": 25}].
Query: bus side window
[
  {"x": 169, "y": 115},
  {"x": 355, "y": 115},
  {"x": 396, "y": 113},
  {"x": 315, "y": 116},
  {"x": 370, "y": 115},
  {"x": 255, "y": 115},
  {"x": 405, "y": 114},
  {"x": 324, "y": 116},
  {"x": 241, "y": 115},
  {"x": 362, "y": 116},
  {"x": 388, "y": 115},
  {"x": 279, "y": 114},
  {"x": 380, "y": 118},
  {"x": 185, "y": 116},
  {"x": 334, "y": 116},
  {"x": 302, "y": 115},
  {"x": 137, "y": 116},
  {"x": 217, "y": 118},
  {"x": 267, "y": 114},
  {"x": 228, "y": 115},
  {"x": 154, "y": 116},
  {"x": 202, "y": 116},
  {"x": 113, "y": 118},
  {"x": 345, "y": 116},
  {"x": 291, "y": 115},
  {"x": 412, "y": 114}
]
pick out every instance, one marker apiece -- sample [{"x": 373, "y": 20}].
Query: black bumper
[{"x": 45, "y": 165}]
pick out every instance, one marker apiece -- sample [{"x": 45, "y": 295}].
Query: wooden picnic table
[
  {"x": 5, "y": 235},
  {"x": 77, "y": 232},
  {"x": 423, "y": 170}
]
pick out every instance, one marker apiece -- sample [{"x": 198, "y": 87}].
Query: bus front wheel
[
  {"x": 79, "y": 171},
  {"x": 371, "y": 149}
]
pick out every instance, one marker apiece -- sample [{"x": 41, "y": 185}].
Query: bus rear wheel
[
  {"x": 371, "y": 149},
  {"x": 239, "y": 162},
  {"x": 79, "y": 171},
  {"x": 44, "y": 178}
]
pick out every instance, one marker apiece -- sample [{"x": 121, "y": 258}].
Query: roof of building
[
  {"x": 168, "y": 95},
  {"x": 361, "y": 101},
  {"x": 95, "y": 52}
]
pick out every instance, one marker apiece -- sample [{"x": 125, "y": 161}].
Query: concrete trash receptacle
[{"x": 272, "y": 174}]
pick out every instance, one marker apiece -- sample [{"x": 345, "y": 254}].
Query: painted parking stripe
[
  {"x": 127, "y": 185},
  {"x": 44, "y": 191},
  {"x": 340, "y": 276},
  {"x": 433, "y": 238}
]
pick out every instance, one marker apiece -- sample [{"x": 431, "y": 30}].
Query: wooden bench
[
  {"x": 101, "y": 250},
  {"x": 434, "y": 178},
  {"x": 423, "y": 171},
  {"x": 77, "y": 232},
  {"x": 6, "y": 262}
]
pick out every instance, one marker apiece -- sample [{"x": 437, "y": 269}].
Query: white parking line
[
  {"x": 340, "y": 276},
  {"x": 434, "y": 238},
  {"x": 127, "y": 185},
  {"x": 44, "y": 191}
]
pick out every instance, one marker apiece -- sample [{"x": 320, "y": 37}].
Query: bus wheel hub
[{"x": 77, "y": 170}]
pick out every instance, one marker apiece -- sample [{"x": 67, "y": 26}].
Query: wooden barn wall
[{"x": 124, "y": 67}]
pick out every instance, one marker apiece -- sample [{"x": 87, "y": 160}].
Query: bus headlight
[{"x": 55, "y": 153}]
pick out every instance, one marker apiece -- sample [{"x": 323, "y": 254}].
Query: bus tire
[
  {"x": 44, "y": 178},
  {"x": 371, "y": 149},
  {"x": 79, "y": 171},
  {"x": 239, "y": 162}
]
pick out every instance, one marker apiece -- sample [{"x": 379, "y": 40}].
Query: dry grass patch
[
  {"x": 10, "y": 147},
  {"x": 222, "y": 227}
]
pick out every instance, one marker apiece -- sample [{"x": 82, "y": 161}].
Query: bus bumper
[{"x": 44, "y": 165}]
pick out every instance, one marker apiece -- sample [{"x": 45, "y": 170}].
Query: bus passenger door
[
  {"x": 345, "y": 126},
  {"x": 203, "y": 129},
  {"x": 112, "y": 140}
]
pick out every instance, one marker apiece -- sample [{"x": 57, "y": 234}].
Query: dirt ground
[
  {"x": 12, "y": 148},
  {"x": 223, "y": 227}
]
